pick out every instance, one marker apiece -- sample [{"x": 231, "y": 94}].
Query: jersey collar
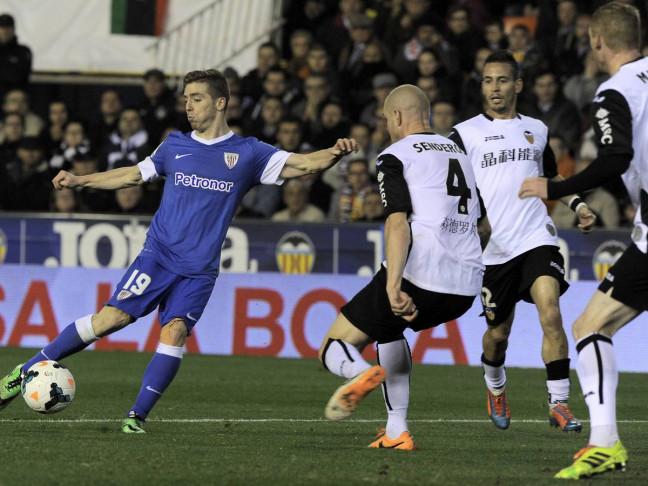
[
  {"x": 213, "y": 140},
  {"x": 490, "y": 118}
]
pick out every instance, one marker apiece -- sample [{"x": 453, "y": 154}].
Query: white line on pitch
[{"x": 223, "y": 420}]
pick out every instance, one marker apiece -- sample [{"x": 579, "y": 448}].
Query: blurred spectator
[
  {"x": 129, "y": 144},
  {"x": 428, "y": 65},
  {"x": 12, "y": 131},
  {"x": 372, "y": 207},
  {"x": 290, "y": 135},
  {"x": 319, "y": 62},
  {"x": 265, "y": 127},
  {"x": 599, "y": 200},
  {"x": 276, "y": 84},
  {"x": 494, "y": 36},
  {"x": 52, "y": 134},
  {"x": 571, "y": 61},
  {"x": 427, "y": 37},
  {"x": 334, "y": 124},
  {"x": 300, "y": 43},
  {"x": 316, "y": 92},
  {"x": 15, "y": 59},
  {"x": 105, "y": 124},
  {"x": 334, "y": 32},
  {"x": 64, "y": 201},
  {"x": 180, "y": 113},
  {"x": 348, "y": 200},
  {"x": 529, "y": 58},
  {"x": 91, "y": 200},
  {"x": 131, "y": 200},
  {"x": 18, "y": 101},
  {"x": 430, "y": 86},
  {"x": 460, "y": 34},
  {"x": 360, "y": 35},
  {"x": 382, "y": 84},
  {"x": 298, "y": 209},
  {"x": 406, "y": 16},
  {"x": 233, "y": 80},
  {"x": 359, "y": 81},
  {"x": 74, "y": 141},
  {"x": 471, "y": 102},
  {"x": 26, "y": 182},
  {"x": 157, "y": 109},
  {"x": 555, "y": 33},
  {"x": 362, "y": 134},
  {"x": 234, "y": 108},
  {"x": 551, "y": 107},
  {"x": 252, "y": 83},
  {"x": 443, "y": 117},
  {"x": 581, "y": 88}
]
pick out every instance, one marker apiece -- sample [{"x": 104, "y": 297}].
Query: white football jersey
[
  {"x": 430, "y": 178},
  {"x": 620, "y": 120},
  {"x": 503, "y": 153}
]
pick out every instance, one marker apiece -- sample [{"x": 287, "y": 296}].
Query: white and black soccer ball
[{"x": 48, "y": 387}]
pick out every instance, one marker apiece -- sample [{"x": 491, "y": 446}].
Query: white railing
[{"x": 216, "y": 34}]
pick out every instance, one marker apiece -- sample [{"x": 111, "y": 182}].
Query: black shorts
[
  {"x": 628, "y": 279},
  {"x": 506, "y": 284},
  {"x": 370, "y": 311}
]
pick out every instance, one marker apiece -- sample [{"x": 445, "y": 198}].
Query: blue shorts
[{"x": 147, "y": 285}]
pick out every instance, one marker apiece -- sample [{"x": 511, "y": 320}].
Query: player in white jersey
[
  {"x": 522, "y": 258},
  {"x": 208, "y": 171},
  {"x": 620, "y": 122},
  {"x": 432, "y": 272}
]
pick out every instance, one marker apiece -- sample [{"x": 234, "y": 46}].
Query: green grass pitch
[{"x": 259, "y": 421}]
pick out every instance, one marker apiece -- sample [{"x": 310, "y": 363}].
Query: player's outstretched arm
[
  {"x": 586, "y": 218},
  {"x": 301, "y": 164},
  {"x": 112, "y": 179}
]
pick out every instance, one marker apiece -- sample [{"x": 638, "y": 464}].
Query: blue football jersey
[{"x": 205, "y": 182}]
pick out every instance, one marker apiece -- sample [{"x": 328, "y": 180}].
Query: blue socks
[
  {"x": 75, "y": 337},
  {"x": 157, "y": 377}
]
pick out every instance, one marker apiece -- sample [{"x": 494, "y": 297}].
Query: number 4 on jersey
[{"x": 456, "y": 185}]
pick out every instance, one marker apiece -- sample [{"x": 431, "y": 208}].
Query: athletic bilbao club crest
[
  {"x": 295, "y": 253},
  {"x": 605, "y": 256},
  {"x": 124, "y": 294},
  {"x": 230, "y": 159},
  {"x": 529, "y": 136}
]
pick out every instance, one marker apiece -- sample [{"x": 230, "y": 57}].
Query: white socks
[
  {"x": 396, "y": 358},
  {"x": 343, "y": 359},
  {"x": 494, "y": 375},
  {"x": 598, "y": 376}
]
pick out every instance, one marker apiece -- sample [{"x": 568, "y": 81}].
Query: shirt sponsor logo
[
  {"x": 381, "y": 188},
  {"x": 604, "y": 124},
  {"x": 202, "y": 183},
  {"x": 230, "y": 159}
]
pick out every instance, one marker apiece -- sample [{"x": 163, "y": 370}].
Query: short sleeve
[
  {"x": 392, "y": 185},
  {"x": 157, "y": 158}
]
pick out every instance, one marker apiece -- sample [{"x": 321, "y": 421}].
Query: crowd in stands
[{"x": 326, "y": 78}]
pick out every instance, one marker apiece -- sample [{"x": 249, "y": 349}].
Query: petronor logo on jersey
[
  {"x": 230, "y": 159},
  {"x": 605, "y": 256},
  {"x": 529, "y": 136}
]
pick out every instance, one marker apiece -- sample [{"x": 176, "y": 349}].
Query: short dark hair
[
  {"x": 216, "y": 82},
  {"x": 294, "y": 120},
  {"x": 502, "y": 56}
]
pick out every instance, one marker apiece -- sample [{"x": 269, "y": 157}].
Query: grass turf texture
[{"x": 259, "y": 421}]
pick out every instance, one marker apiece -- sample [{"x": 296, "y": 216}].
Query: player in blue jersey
[{"x": 208, "y": 171}]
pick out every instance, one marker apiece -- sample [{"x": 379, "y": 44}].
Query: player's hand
[
  {"x": 586, "y": 219},
  {"x": 402, "y": 304},
  {"x": 344, "y": 146},
  {"x": 533, "y": 187},
  {"x": 65, "y": 179}
]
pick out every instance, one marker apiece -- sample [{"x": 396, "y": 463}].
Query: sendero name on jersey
[
  {"x": 441, "y": 147},
  {"x": 202, "y": 182}
]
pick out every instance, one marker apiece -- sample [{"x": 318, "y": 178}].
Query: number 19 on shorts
[{"x": 139, "y": 280}]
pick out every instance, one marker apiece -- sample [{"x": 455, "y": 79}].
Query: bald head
[
  {"x": 408, "y": 99},
  {"x": 407, "y": 110}
]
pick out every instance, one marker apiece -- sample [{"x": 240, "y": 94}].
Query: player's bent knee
[
  {"x": 174, "y": 333},
  {"x": 110, "y": 319},
  {"x": 499, "y": 333}
]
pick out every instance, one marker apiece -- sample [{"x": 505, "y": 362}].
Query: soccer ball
[{"x": 48, "y": 387}]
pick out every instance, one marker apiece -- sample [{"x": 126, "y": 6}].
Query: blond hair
[{"x": 619, "y": 25}]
